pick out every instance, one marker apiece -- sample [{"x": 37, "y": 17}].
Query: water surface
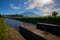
[{"x": 16, "y": 23}]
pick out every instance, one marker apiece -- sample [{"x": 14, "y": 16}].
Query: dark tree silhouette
[
  {"x": 54, "y": 13},
  {"x": 0, "y": 15}
]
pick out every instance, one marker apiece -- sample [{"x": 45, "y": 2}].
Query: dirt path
[{"x": 13, "y": 34}]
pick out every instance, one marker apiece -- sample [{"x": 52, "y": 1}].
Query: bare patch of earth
[{"x": 13, "y": 34}]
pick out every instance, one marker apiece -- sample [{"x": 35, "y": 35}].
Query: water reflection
[{"x": 13, "y": 23}]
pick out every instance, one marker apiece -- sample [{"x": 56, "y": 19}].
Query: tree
[
  {"x": 54, "y": 13},
  {"x": 0, "y": 15}
]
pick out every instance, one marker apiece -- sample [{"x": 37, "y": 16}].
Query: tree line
[{"x": 54, "y": 13}]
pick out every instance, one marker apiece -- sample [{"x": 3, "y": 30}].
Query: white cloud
[
  {"x": 45, "y": 14},
  {"x": 57, "y": 10},
  {"x": 28, "y": 2},
  {"x": 14, "y": 7},
  {"x": 31, "y": 6},
  {"x": 50, "y": 11},
  {"x": 52, "y": 8},
  {"x": 46, "y": 11},
  {"x": 37, "y": 3},
  {"x": 40, "y": 5}
]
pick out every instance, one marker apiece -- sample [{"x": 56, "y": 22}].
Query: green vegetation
[
  {"x": 54, "y": 13},
  {"x": 48, "y": 19},
  {"x": 3, "y": 29},
  {"x": 15, "y": 15}
]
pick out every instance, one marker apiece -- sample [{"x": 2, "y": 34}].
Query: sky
[{"x": 40, "y": 7}]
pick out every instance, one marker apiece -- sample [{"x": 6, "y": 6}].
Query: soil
[{"x": 13, "y": 34}]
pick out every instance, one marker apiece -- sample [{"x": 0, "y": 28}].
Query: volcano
[{"x": 28, "y": 13}]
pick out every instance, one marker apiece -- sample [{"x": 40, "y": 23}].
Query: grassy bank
[
  {"x": 44, "y": 19},
  {"x": 3, "y": 29}
]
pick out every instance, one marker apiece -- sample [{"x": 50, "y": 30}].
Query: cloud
[
  {"x": 41, "y": 5},
  {"x": 49, "y": 11},
  {"x": 46, "y": 14},
  {"x": 46, "y": 10},
  {"x": 58, "y": 9},
  {"x": 27, "y": 2},
  {"x": 56, "y": 4},
  {"x": 37, "y": 3},
  {"x": 31, "y": 6},
  {"x": 14, "y": 7},
  {"x": 50, "y": 8}
]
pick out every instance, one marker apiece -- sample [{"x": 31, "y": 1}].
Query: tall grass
[{"x": 3, "y": 29}]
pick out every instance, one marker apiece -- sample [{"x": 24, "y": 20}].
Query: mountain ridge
[{"x": 28, "y": 13}]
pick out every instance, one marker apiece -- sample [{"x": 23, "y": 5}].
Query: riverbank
[
  {"x": 43, "y": 19},
  {"x": 3, "y": 29},
  {"x": 13, "y": 34},
  {"x": 8, "y": 33}
]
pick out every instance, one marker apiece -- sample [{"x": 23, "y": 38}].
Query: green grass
[
  {"x": 49, "y": 19},
  {"x": 37, "y": 17},
  {"x": 3, "y": 29}
]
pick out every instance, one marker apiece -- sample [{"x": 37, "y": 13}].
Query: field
[
  {"x": 44, "y": 19},
  {"x": 3, "y": 29}
]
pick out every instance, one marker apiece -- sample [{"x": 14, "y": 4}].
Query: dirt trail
[{"x": 13, "y": 34}]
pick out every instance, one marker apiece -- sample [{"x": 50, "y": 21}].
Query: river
[{"x": 16, "y": 23}]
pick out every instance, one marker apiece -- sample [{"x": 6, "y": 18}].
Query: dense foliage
[{"x": 45, "y": 19}]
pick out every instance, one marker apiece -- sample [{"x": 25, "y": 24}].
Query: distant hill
[{"x": 28, "y": 13}]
